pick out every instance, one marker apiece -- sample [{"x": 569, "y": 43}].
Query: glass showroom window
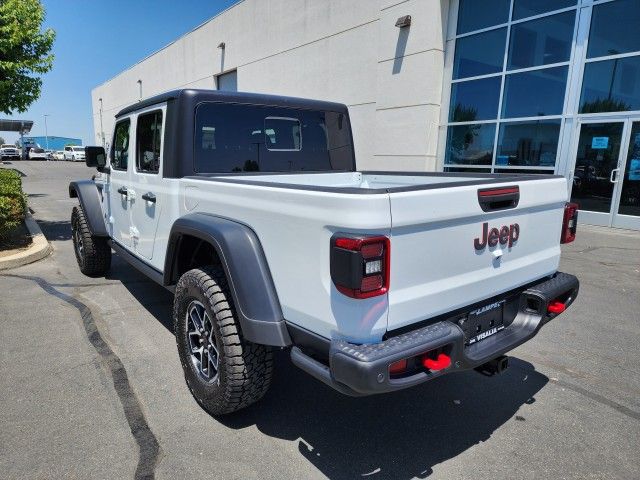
[
  {"x": 611, "y": 80},
  {"x": 528, "y": 144},
  {"x": 509, "y": 81}
]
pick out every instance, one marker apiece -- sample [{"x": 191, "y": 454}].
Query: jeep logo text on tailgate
[{"x": 505, "y": 235}]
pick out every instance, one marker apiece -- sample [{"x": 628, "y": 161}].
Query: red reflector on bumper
[
  {"x": 556, "y": 307},
  {"x": 398, "y": 367},
  {"x": 440, "y": 363}
]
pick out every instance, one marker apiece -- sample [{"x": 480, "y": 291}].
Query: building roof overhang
[{"x": 20, "y": 126}]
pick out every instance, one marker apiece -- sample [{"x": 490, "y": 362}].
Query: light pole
[{"x": 46, "y": 131}]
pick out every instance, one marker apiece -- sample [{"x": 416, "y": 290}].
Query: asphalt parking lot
[{"x": 91, "y": 385}]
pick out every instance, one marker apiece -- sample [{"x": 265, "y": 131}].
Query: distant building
[{"x": 51, "y": 142}]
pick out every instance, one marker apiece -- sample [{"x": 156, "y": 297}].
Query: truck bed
[{"x": 431, "y": 219}]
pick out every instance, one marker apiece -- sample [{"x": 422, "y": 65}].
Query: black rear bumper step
[{"x": 364, "y": 369}]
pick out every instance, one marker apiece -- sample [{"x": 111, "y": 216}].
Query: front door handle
[
  {"x": 149, "y": 197},
  {"x": 122, "y": 191},
  {"x": 614, "y": 173}
]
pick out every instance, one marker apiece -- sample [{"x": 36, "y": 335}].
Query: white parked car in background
[
  {"x": 74, "y": 153},
  {"x": 58, "y": 155},
  {"x": 37, "y": 153},
  {"x": 9, "y": 152}
]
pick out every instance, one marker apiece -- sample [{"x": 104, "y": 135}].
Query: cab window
[
  {"x": 120, "y": 148},
  {"x": 148, "y": 142}
]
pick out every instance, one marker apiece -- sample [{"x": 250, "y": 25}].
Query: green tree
[{"x": 25, "y": 53}]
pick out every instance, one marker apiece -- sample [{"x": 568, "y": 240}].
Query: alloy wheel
[{"x": 202, "y": 342}]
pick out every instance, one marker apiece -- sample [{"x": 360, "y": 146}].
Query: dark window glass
[
  {"x": 479, "y": 54},
  {"x": 516, "y": 171},
  {"x": 475, "y": 100},
  {"x": 470, "y": 144},
  {"x": 120, "y": 147},
  {"x": 528, "y": 143},
  {"x": 536, "y": 93},
  {"x": 474, "y": 14},
  {"x": 598, "y": 151},
  {"x": 611, "y": 86},
  {"x": 614, "y": 28},
  {"x": 248, "y": 138},
  {"x": 630, "y": 194},
  {"x": 541, "y": 42},
  {"x": 282, "y": 134},
  {"x": 529, "y": 8},
  {"x": 148, "y": 142}
]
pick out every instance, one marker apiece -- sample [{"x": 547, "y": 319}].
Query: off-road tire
[
  {"x": 245, "y": 369},
  {"x": 92, "y": 253}
]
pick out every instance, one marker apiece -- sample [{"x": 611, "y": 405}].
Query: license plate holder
[{"x": 484, "y": 322}]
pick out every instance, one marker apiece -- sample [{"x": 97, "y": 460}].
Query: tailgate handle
[{"x": 500, "y": 198}]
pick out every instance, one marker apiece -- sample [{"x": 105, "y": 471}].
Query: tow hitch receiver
[{"x": 494, "y": 367}]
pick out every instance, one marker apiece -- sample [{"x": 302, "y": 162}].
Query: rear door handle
[
  {"x": 122, "y": 191},
  {"x": 149, "y": 197}
]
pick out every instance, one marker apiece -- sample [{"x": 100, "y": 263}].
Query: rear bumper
[{"x": 364, "y": 369}]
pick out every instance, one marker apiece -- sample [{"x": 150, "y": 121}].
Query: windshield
[
  {"x": 8, "y": 146},
  {"x": 252, "y": 138},
  {"x": 78, "y": 149}
]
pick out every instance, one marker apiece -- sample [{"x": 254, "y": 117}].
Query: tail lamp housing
[
  {"x": 360, "y": 265},
  {"x": 569, "y": 223}
]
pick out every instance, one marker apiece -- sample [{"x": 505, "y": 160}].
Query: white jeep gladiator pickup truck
[{"x": 250, "y": 209}]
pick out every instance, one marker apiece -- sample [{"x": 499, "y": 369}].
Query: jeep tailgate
[{"x": 435, "y": 265}]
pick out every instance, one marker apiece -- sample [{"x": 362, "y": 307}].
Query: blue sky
[{"x": 96, "y": 39}]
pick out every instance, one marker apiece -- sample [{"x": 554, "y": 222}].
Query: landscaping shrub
[{"x": 13, "y": 202}]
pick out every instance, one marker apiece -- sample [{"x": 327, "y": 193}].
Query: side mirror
[{"x": 95, "y": 157}]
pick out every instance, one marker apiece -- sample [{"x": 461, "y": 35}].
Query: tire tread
[{"x": 248, "y": 367}]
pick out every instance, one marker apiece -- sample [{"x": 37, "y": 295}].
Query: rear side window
[
  {"x": 148, "y": 142},
  {"x": 250, "y": 138},
  {"x": 120, "y": 148}
]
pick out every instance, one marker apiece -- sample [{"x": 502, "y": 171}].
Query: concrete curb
[{"x": 39, "y": 248}]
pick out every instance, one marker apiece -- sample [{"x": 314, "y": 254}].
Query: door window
[
  {"x": 630, "y": 193},
  {"x": 148, "y": 142},
  {"x": 598, "y": 151},
  {"x": 120, "y": 148}
]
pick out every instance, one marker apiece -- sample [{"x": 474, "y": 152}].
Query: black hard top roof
[{"x": 197, "y": 96}]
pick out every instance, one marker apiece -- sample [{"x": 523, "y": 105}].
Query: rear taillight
[
  {"x": 569, "y": 223},
  {"x": 360, "y": 265}
]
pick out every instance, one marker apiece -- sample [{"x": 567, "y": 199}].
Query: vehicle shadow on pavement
[
  {"x": 400, "y": 435},
  {"x": 157, "y": 300},
  {"x": 55, "y": 230}
]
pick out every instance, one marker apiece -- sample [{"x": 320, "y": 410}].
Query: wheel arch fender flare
[
  {"x": 86, "y": 191},
  {"x": 245, "y": 265}
]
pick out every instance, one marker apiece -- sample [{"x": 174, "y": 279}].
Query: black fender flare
[
  {"x": 86, "y": 191},
  {"x": 247, "y": 271}
]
